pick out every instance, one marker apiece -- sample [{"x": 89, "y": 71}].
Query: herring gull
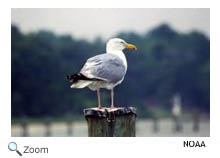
[{"x": 104, "y": 70}]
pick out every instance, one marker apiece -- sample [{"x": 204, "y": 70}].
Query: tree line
[{"x": 166, "y": 62}]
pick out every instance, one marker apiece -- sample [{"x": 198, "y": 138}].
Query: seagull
[{"x": 105, "y": 70}]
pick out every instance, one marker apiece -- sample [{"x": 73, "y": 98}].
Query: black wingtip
[{"x": 76, "y": 77}]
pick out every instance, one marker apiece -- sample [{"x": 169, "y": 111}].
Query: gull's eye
[{"x": 121, "y": 42}]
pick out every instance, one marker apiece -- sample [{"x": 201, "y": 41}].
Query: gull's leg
[
  {"x": 99, "y": 99},
  {"x": 112, "y": 99}
]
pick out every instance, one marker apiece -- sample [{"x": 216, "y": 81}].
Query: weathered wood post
[
  {"x": 24, "y": 126},
  {"x": 106, "y": 122},
  {"x": 177, "y": 124},
  {"x": 47, "y": 124},
  {"x": 155, "y": 124},
  {"x": 196, "y": 121},
  {"x": 69, "y": 124},
  {"x": 176, "y": 113},
  {"x": 69, "y": 127}
]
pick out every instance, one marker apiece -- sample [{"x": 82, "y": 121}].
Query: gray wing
[{"x": 108, "y": 67}]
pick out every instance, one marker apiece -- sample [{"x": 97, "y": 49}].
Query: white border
[{"x": 109, "y": 147}]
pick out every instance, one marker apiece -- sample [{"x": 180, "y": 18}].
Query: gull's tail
[{"x": 79, "y": 80}]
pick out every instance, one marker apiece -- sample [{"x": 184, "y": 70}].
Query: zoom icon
[{"x": 12, "y": 146}]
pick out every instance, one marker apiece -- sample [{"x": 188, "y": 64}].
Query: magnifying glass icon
[{"x": 12, "y": 146}]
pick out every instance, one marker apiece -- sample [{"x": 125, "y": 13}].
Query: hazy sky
[{"x": 90, "y": 23}]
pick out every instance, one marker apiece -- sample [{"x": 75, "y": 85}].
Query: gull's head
[{"x": 117, "y": 44}]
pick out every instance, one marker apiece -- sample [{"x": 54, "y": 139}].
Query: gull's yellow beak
[{"x": 131, "y": 47}]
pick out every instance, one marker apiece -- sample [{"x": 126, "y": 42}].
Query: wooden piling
[
  {"x": 70, "y": 128},
  {"x": 196, "y": 121},
  {"x": 24, "y": 126},
  {"x": 106, "y": 122},
  {"x": 155, "y": 125},
  {"x": 48, "y": 122},
  {"x": 178, "y": 127}
]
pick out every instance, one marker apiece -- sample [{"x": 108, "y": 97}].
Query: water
[{"x": 144, "y": 128}]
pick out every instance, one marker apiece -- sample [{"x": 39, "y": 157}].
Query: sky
[{"x": 106, "y": 23}]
